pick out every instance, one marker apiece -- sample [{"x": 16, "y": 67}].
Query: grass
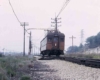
[
  {"x": 14, "y": 66},
  {"x": 89, "y": 56},
  {"x": 25, "y": 78}
]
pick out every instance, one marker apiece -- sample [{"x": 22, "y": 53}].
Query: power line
[
  {"x": 14, "y": 12},
  {"x": 23, "y": 25},
  {"x": 63, "y": 7},
  {"x": 65, "y": 4}
]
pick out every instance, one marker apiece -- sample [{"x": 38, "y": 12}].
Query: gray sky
[{"x": 79, "y": 14}]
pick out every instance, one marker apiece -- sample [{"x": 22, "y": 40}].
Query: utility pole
[
  {"x": 24, "y": 24},
  {"x": 82, "y": 40},
  {"x": 34, "y": 49},
  {"x": 30, "y": 44},
  {"x": 56, "y": 22},
  {"x": 3, "y": 51},
  {"x": 24, "y": 41},
  {"x": 72, "y": 41},
  {"x": 82, "y": 35}
]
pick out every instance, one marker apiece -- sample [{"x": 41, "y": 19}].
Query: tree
[
  {"x": 72, "y": 49},
  {"x": 92, "y": 41},
  {"x": 98, "y": 39},
  {"x": 81, "y": 46}
]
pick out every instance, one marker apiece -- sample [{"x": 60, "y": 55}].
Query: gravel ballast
[{"x": 63, "y": 70}]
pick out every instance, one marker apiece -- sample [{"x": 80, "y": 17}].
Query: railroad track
[{"x": 83, "y": 61}]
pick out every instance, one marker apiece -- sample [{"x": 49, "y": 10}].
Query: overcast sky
[{"x": 78, "y": 15}]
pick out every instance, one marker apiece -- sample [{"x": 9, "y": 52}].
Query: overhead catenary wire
[
  {"x": 65, "y": 4},
  {"x": 14, "y": 12},
  {"x": 23, "y": 25},
  {"x": 16, "y": 15}
]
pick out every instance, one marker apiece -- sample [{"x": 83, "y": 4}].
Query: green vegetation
[
  {"x": 91, "y": 42},
  {"x": 14, "y": 67},
  {"x": 74, "y": 49},
  {"x": 25, "y": 78},
  {"x": 89, "y": 56}
]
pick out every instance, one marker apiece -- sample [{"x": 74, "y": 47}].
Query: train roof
[{"x": 55, "y": 33}]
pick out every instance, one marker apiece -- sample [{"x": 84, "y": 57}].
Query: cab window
[
  {"x": 49, "y": 39},
  {"x": 55, "y": 39},
  {"x": 62, "y": 39}
]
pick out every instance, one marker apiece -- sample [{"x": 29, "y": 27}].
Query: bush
[
  {"x": 11, "y": 72},
  {"x": 3, "y": 77},
  {"x": 25, "y": 78},
  {"x": 1, "y": 54}
]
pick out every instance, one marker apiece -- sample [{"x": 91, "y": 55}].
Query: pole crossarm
[
  {"x": 72, "y": 39},
  {"x": 40, "y": 29}
]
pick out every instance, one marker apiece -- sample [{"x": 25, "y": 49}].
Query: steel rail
[{"x": 83, "y": 61}]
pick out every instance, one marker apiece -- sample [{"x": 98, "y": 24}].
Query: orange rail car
[{"x": 53, "y": 43}]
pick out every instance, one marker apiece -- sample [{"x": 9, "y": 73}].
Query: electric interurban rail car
[{"x": 53, "y": 43}]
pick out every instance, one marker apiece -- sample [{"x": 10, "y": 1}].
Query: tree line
[{"x": 91, "y": 42}]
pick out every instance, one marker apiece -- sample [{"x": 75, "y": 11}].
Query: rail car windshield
[
  {"x": 62, "y": 39},
  {"x": 49, "y": 39},
  {"x": 55, "y": 39}
]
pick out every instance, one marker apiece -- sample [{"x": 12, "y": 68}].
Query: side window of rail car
[
  {"x": 49, "y": 39},
  {"x": 62, "y": 39}
]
